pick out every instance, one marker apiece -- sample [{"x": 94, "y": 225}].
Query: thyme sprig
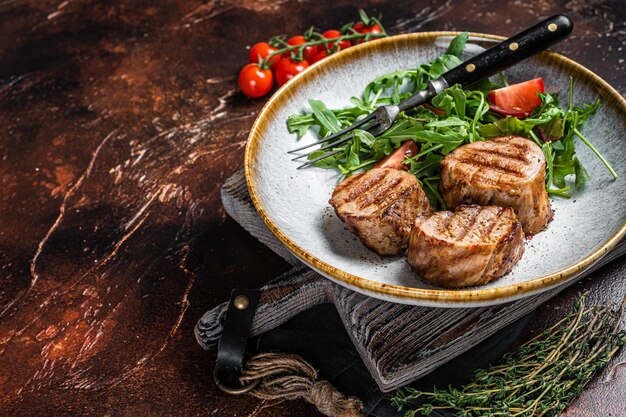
[{"x": 540, "y": 378}]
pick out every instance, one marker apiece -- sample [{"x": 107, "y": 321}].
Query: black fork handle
[
  {"x": 501, "y": 56},
  {"x": 511, "y": 51}
]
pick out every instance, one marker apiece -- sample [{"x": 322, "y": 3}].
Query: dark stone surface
[{"x": 119, "y": 120}]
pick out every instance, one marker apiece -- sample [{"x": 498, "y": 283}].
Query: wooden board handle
[{"x": 281, "y": 299}]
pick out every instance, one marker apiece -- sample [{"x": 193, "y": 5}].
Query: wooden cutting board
[{"x": 398, "y": 343}]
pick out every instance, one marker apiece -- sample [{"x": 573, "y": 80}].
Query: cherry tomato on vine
[
  {"x": 308, "y": 52},
  {"x": 287, "y": 68},
  {"x": 263, "y": 49},
  {"x": 361, "y": 28},
  {"x": 254, "y": 81},
  {"x": 321, "y": 54},
  {"x": 334, "y": 34}
]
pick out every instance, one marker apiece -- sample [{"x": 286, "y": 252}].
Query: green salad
[{"x": 455, "y": 117}]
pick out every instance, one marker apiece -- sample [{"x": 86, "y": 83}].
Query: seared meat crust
[
  {"x": 380, "y": 206},
  {"x": 507, "y": 171},
  {"x": 472, "y": 246}
]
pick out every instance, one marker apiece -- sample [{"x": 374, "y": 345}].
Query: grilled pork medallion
[
  {"x": 507, "y": 171},
  {"x": 472, "y": 246},
  {"x": 379, "y": 206}
]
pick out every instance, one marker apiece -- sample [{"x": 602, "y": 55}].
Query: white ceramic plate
[{"x": 294, "y": 203}]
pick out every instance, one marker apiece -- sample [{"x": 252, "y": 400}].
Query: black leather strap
[{"x": 235, "y": 331}]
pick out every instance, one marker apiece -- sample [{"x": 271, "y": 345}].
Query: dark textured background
[{"x": 119, "y": 121}]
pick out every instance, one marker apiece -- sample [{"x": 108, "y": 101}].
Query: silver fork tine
[
  {"x": 336, "y": 135},
  {"x": 379, "y": 130},
  {"x": 375, "y": 132},
  {"x": 337, "y": 142},
  {"x": 319, "y": 158}
]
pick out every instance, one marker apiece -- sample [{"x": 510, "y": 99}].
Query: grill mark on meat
[
  {"x": 347, "y": 183},
  {"x": 469, "y": 224},
  {"x": 494, "y": 221},
  {"x": 467, "y": 160},
  {"x": 520, "y": 157},
  {"x": 445, "y": 225},
  {"x": 378, "y": 195},
  {"x": 478, "y": 156},
  {"x": 364, "y": 184},
  {"x": 360, "y": 185},
  {"x": 473, "y": 174},
  {"x": 388, "y": 211}
]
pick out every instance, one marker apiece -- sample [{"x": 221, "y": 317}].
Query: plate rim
[{"x": 412, "y": 294}]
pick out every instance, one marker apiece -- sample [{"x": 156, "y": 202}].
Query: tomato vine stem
[{"x": 264, "y": 63}]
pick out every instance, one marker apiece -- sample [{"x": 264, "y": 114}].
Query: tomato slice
[
  {"x": 517, "y": 100},
  {"x": 397, "y": 157}
]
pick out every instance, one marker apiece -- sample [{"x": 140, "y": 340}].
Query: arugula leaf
[
  {"x": 444, "y": 101},
  {"x": 388, "y": 81},
  {"x": 429, "y": 167},
  {"x": 582, "y": 176},
  {"x": 330, "y": 162},
  {"x": 553, "y": 130},
  {"x": 508, "y": 126},
  {"x": 433, "y": 193},
  {"x": 327, "y": 119},
  {"x": 404, "y": 129},
  {"x": 451, "y": 121},
  {"x": 459, "y": 97},
  {"x": 457, "y": 44},
  {"x": 563, "y": 163},
  {"x": 382, "y": 147},
  {"x": 586, "y": 111},
  {"x": 353, "y": 154},
  {"x": 442, "y": 65},
  {"x": 450, "y": 140},
  {"x": 364, "y": 136},
  {"x": 300, "y": 123},
  {"x": 547, "y": 152},
  {"x": 361, "y": 105}
]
